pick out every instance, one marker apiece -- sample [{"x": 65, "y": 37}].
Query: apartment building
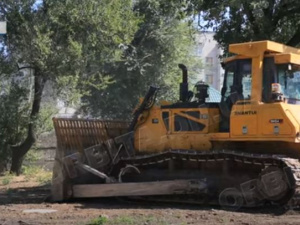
[{"x": 208, "y": 51}]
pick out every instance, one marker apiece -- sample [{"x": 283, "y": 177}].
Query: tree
[
  {"x": 62, "y": 38},
  {"x": 242, "y": 20},
  {"x": 13, "y": 118},
  {"x": 162, "y": 41}
]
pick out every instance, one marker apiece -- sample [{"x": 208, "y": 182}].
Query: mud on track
[{"x": 21, "y": 195}]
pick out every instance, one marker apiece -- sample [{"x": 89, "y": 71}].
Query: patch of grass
[
  {"x": 30, "y": 171},
  {"x": 7, "y": 178},
  {"x": 128, "y": 220},
  {"x": 44, "y": 177},
  {"x": 32, "y": 156},
  {"x": 37, "y": 173},
  {"x": 101, "y": 220},
  {"x": 124, "y": 220}
]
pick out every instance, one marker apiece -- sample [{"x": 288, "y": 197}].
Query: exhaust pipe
[{"x": 184, "y": 86}]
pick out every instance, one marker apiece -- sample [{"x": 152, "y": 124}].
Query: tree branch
[
  {"x": 251, "y": 18},
  {"x": 295, "y": 40},
  {"x": 283, "y": 10},
  {"x": 19, "y": 151},
  {"x": 25, "y": 67}
]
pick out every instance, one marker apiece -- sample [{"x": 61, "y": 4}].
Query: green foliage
[
  {"x": 37, "y": 173},
  {"x": 67, "y": 89},
  {"x": 67, "y": 38},
  {"x": 44, "y": 121},
  {"x": 65, "y": 42},
  {"x": 30, "y": 170},
  {"x": 6, "y": 181},
  {"x": 15, "y": 103},
  {"x": 33, "y": 156},
  {"x": 101, "y": 220},
  {"x": 124, "y": 220},
  {"x": 239, "y": 20},
  {"x": 161, "y": 42},
  {"x": 91, "y": 41},
  {"x": 14, "y": 107},
  {"x": 7, "y": 178},
  {"x": 128, "y": 220}
]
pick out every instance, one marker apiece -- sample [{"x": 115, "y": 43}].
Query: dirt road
[{"x": 21, "y": 195}]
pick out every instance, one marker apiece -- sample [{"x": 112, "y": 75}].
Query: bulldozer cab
[
  {"x": 237, "y": 87},
  {"x": 259, "y": 103},
  {"x": 262, "y": 72}
]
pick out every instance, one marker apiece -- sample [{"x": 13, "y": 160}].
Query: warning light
[{"x": 276, "y": 88}]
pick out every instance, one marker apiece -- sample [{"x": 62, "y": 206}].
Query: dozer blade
[
  {"x": 139, "y": 189},
  {"x": 73, "y": 136}
]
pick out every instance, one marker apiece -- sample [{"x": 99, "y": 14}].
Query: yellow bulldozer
[{"x": 241, "y": 151}]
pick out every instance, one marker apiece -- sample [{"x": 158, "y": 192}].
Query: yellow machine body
[
  {"x": 252, "y": 119},
  {"x": 158, "y": 134},
  {"x": 240, "y": 150}
]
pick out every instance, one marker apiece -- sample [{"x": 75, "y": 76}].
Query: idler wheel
[{"x": 273, "y": 185}]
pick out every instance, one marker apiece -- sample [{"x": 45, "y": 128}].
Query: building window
[
  {"x": 199, "y": 50},
  {"x": 209, "y": 79},
  {"x": 209, "y": 61}
]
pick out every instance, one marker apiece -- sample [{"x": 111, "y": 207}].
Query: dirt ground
[{"x": 19, "y": 194}]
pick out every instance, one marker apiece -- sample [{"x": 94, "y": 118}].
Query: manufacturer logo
[{"x": 242, "y": 113}]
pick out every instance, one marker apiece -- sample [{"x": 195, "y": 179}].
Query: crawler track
[{"x": 290, "y": 167}]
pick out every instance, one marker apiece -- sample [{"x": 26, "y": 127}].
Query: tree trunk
[{"x": 19, "y": 152}]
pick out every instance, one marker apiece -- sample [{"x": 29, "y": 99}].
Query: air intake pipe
[{"x": 184, "y": 86}]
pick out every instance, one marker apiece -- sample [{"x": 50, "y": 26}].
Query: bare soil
[{"x": 20, "y": 194}]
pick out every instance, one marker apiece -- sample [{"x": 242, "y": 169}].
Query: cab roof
[
  {"x": 252, "y": 48},
  {"x": 282, "y": 53}
]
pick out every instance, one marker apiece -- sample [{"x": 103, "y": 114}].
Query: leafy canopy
[
  {"x": 67, "y": 38},
  {"x": 62, "y": 41},
  {"x": 243, "y": 20},
  {"x": 160, "y": 43}
]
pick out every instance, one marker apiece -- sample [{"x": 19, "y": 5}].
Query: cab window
[{"x": 246, "y": 79}]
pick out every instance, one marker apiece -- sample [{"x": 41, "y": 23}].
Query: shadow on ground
[
  {"x": 40, "y": 194},
  {"x": 117, "y": 203},
  {"x": 24, "y": 195}
]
